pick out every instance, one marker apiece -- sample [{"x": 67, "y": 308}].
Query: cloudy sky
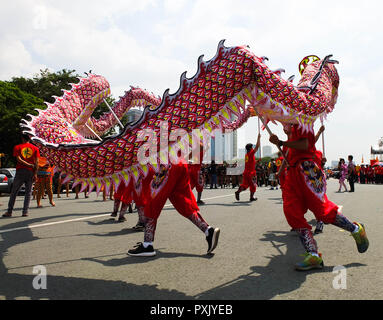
[{"x": 149, "y": 43}]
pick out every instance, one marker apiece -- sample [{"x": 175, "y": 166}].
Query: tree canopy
[
  {"x": 47, "y": 84},
  {"x": 20, "y": 97},
  {"x": 15, "y": 104}
]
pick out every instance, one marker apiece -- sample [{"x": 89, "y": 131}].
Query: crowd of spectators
[{"x": 227, "y": 175}]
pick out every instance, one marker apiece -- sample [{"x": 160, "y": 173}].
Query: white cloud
[
  {"x": 15, "y": 60},
  {"x": 174, "y": 6}
]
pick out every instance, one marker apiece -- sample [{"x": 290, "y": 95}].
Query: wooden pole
[
  {"x": 93, "y": 132},
  {"x": 111, "y": 110},
  {"x": 260, "y": 146},
  {"x": 270, "y": 133},
  {"x": 323, "y": 151}
]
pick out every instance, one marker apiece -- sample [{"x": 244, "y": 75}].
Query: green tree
[
  {"x": 266, "y": 159},
  {"x": 15, "y": 105},
  {"x": 47, "y": 84}
]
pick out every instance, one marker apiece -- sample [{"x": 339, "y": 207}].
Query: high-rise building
[
  {"x": 266, "y": 151},
  {"x": 133, "y": 115},
  {"x": 224, "y": 146},
  {"x": 242, "y": 153}
]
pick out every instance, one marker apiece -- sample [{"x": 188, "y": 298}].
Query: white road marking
[{"x": 86, "y": 218}]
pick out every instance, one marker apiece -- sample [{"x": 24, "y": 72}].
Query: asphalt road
[{"x": 84, "y": 252}]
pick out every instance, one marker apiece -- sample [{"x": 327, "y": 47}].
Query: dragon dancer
[
  {"x": 249, "y": 173},
  {"x": 305, "y": 189},
  {"x": 123, "y": 197},
  {"x": 172, "y": 182},
  {"x": 135, "y": 191}
]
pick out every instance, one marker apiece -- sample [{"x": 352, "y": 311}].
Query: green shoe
[
  {"x": 361, "y": 238},
  {"x": 310, "y": 262}
]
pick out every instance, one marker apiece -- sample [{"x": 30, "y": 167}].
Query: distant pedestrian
[
  {"x": 213, "y": 175},
  {"x": 343, "y": 172},
  {"x": 27, "y": 157},
  {"x": 273, "y": 175},
  {"x": 351, "y": 173},
  {"x": 249, "y": 174}
]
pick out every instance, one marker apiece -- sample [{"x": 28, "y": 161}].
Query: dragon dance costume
[
  {"x": 249, "y": 175},
  {"x": 305, "y": 189},
  {"x": 172, "y": 183}
]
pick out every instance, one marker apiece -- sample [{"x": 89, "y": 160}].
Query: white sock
[
  {"x": 147, "y": 244},
  {"x": 314, "y": 254},
  {"x": 207, "y": 231}
]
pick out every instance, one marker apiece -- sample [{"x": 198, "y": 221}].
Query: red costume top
[
  {"x": 295, "y": 155},
  {"x": 305, "y": 185},
  {"x": 28, "y": 152},
  {"x": 250, "y": 162}
]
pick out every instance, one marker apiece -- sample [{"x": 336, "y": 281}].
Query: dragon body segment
[{"x": 219, "y": 96}]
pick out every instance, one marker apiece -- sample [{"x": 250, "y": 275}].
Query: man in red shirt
[
  {"x": 249, "y": 173},
  {"x": 27, "y": 161},
  {"x": 305, "y": 189}
]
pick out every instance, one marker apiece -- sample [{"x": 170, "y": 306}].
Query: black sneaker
[
  {"x": 121, "y": 219},
  {"x": 237, "y": 195},
  {"x": 212, "y": 239},
  {"x": 319, "y": 227},
  {"x": 200, "y": 202},
  {"x": 114, "y": 214},
  {"x": 253, "y": 199},
  {"x": 130, "y": 209},
  {"x": 140, "y": 251},
  {"x": 139, "y": 227}
]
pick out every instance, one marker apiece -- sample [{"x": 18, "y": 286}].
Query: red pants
[
  {"x": 248, "y": 182},
  {"x": 282, "y": 178},
  {"x": 171, "y": 183},
  {"x": 196, "y": 179},
  {"x": 135, "y": 191},
  {"x": 305, "y": 189},
  {"x": 124, "y": 192},
  {"x": 141, "y": 189}
]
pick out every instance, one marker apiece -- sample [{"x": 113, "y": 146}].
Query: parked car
[{"x": 7, "y": 175}]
